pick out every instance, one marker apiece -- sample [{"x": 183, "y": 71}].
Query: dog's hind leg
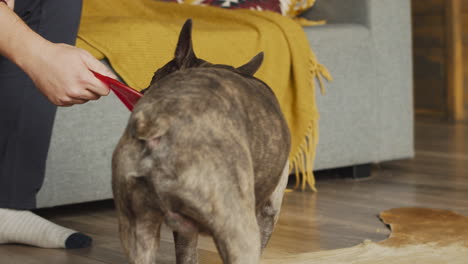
[
  {"x": 237, "y": 236},
  {"x": 267, "y": 214},
  {"x": 186, "y": 247},
  {"x": 140, "y": 237}
]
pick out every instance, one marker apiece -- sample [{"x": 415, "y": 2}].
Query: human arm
[{"x": 61, "y": 72}]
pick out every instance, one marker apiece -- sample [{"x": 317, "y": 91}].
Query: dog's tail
[{"x": 148, "y": 128}]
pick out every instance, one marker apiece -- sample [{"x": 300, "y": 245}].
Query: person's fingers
[
  {"x": 89, "y": 95},
  {"x": 96, "y": 86},
  {"x": 68, "y": 101},
  {"x": 79, "y": 92},
  {"x": 92, "y": 85},
  {"x": 77, "y": 101},
  {"x": 95, "y": 65}
]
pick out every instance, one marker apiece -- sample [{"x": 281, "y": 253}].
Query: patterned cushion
[
  {"x": 294, "y": 7},
  {"x": 290, "y": 8}
]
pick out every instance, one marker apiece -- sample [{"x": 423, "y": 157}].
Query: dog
[{"x": 205, "y": 151}]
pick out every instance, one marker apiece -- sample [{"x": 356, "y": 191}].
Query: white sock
[{"x": 24, "y": 227}]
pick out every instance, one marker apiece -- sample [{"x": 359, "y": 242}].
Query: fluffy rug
[{"x": 418, "y": 235}]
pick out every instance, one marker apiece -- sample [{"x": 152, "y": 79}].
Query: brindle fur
[{"x": 205, "y": 151}]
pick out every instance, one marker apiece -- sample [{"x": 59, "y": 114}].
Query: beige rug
[{"x": 419, "y": 236}]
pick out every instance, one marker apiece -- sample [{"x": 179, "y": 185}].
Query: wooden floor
[{"x": 343, "y": 213}]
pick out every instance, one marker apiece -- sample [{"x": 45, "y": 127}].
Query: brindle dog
[{"x": 205, "y": 151}]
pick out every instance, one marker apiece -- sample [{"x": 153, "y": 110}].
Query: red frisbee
[{"x": 127, "y": 95}]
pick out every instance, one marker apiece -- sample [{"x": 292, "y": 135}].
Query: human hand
[{"x": 63, "y": 74}]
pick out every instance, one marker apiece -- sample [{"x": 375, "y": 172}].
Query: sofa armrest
[
  {"x": 388, "y": 24},
  {"x": 390, "y": 27}
]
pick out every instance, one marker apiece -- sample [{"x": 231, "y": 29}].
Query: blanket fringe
[
  {"x": 302, "y": 163},
  {"x": 307, "y": 22}
]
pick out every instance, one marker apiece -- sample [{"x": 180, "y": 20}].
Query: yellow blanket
[{"x": 139, "y": 36}]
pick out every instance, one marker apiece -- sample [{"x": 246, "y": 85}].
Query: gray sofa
[{"x": 366, "y": 114}]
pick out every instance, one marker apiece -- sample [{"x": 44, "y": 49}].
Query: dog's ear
[
  {"x": 251, "y": 67},
  {"x": 184, "y": 54}
]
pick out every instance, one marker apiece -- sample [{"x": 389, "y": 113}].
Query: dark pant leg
[{"x": 26, "y": 117}]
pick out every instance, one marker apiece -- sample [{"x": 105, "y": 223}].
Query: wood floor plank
[{"x": 15, "y": 254}]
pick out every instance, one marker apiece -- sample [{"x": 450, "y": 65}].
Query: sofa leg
[
  {"x": 360, "y": 171},
  {"x": 355, "y": 172}
]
